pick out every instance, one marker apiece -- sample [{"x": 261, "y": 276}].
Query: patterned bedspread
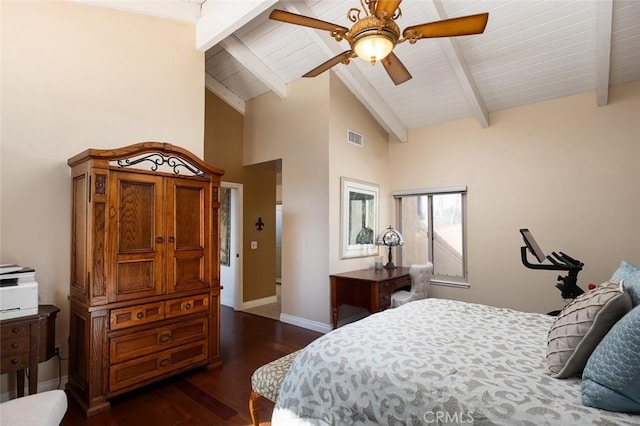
[{"x": 434, "y": 361}]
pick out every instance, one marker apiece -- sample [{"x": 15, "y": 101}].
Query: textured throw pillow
[
  {"x": 611, "y": 378},
  {"x": 581, "y": 325},
  {"x": 630, "y": 276}
]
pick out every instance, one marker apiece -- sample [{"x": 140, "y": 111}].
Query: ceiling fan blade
[
  {"x": 330, "y": 63},
  {"x": 465, "y": 25},
  {"x": 396, "y": 69},
  {"x": 386, "y": 8},
  {"x": 293, "y": 18}
]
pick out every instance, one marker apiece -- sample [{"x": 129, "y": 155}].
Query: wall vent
[{"x": 355, "y": 138}]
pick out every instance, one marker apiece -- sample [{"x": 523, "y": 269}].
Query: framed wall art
[{"x": 359, "y": 218}]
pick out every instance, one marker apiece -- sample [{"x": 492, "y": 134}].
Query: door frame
[{"x": 236, "y": 211}]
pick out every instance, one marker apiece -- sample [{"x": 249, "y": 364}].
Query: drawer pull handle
[
  {"x": 14, "y": 361},
  {"x": 164, "y": 362},
  {"x": 14, "y": 345},
  {"x": 165, "y": 337},
  {"x": 140, "y": 315},
  {"x": 15, "y": 330},
  {"x": 187, "y": 305}
]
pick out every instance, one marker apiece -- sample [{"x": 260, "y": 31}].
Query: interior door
[{"x": 231, "y": 245}]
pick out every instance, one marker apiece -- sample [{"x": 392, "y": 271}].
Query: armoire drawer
[
  {"x": 133, "y": 345},
  {"x": 141, "y": 369},
  {"x": 187, "y": 305},
  {"x": 136, "y": 315}
]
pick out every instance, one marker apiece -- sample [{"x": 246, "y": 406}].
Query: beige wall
[
  {"x": 223, "y": 137},
  {"x": 296, "y": 130},
  {"x": 308, "y": 131},
  {"x": 565, "y": 169},
  {"x": 77, "y": 77},
  {"x": 368, "y": 163}
]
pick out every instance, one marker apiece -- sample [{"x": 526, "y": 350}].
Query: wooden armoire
[{"x": 145, "y": 271}]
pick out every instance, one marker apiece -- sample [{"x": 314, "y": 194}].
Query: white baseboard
[
  {"x": 259, "y": 302},
  {"x": 227, "y": 302},
  {"x": 42, "y": 387},
  {"x": 305, "y": 323}
]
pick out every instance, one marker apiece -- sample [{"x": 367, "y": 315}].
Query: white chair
[
  {"x": 420, "y": 282},
  {"x": 40, "y": 409}
]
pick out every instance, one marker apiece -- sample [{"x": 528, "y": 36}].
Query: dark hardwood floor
[{"x": 208, "y": 397}]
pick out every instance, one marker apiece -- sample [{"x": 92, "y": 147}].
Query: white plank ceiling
[{"x": 531, "y": 51}]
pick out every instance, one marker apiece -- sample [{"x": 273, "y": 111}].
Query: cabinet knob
[
  {"x": 15, "y": 330},
  {"x": 139, "y": 315},
  {"x": 187, "y": 305},
  {"x": 171, "y": 239},
  {"x": 165, "y": 337},
  {"x": 164, "y": 362},
  {"x": 159, "y": 240},
  {"x": 14, "y": 361},
  {"x": 14, "y": 345}
]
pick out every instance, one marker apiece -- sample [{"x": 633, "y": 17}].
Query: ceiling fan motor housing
[{"x": 368, "y": 34}]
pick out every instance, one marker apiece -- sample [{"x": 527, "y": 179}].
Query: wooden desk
[
  {"x": 26, "y": 342},
  {"x": 366, "y": 288}
]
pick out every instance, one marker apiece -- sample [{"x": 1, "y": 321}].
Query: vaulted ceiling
[{"x": 530, "y": 51}]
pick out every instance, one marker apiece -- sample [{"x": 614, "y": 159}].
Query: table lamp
[{"x": 390, "y": 238}]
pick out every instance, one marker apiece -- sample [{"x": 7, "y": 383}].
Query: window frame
[{"x": 430, "y": 192}]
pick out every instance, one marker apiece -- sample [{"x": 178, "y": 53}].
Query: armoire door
[
  {"x": 188, "y": 225},
  {"x": 136, "y": 222}
]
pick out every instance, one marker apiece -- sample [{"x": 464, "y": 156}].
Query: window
[{"x": 432, "y": 223}]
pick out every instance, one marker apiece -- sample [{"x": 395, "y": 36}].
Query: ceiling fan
[{"x": 374, "y": 36}]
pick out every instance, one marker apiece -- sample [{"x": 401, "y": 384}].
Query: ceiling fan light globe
[{"x": 374, "y": 47}]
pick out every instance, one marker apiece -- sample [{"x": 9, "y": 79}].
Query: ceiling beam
[
  {"x": 223, "y": 93},
  {"x": 254, "y": 65},
  {"x": 221, "y": 18},
  {"x": 456, "y": 58},
  {"x": 353, "y": 78},
  {"x": 603, "y": 51}
]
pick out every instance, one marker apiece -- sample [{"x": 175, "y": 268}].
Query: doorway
[{"x": 230, "y": 244}]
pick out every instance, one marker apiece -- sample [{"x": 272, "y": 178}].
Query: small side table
[
  {"x": 25, "y": 342},
  {"x": 367, "y": 288}
]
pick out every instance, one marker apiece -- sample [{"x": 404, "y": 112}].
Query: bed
[{"x": 434, "y": 361}]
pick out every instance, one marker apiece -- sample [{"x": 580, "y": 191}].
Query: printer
[{"x": 18, "y": 292}]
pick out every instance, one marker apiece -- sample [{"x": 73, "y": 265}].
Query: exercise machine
[{"x": 559, "y": 262}]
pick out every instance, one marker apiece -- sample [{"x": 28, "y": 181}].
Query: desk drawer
[
  {"x": 13, "y": 331},
  {"x": 384, "y": 296},
  {"x": 15, "y": 361},
  {"x": 386, "y": 289},
  {"x": 14, "y": 346}
]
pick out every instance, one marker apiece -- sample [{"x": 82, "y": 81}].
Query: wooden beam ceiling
[
  {"x": 459, "y": 64},
  {"x": 603, "y": 51}
]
